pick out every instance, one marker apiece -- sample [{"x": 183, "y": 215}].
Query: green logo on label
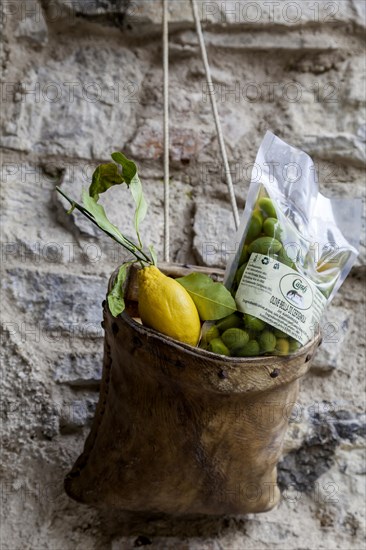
[
  {"x": 297, "y": 291},
  {"x": 299, "y": 285}
]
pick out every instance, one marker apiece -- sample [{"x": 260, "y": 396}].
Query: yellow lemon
[{"x": 167, "y": 307}]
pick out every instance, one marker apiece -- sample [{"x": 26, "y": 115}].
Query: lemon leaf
[
  {"x": 212, "y": 300},
  {"x": 115, "y": 299},
  {"x": 98, "y": 213},
  {"x": 104, "y": 177},
  {"x": 128, "y": 166},
  {"x": 130, "y": 176}
]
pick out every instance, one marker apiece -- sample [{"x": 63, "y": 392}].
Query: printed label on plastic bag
[{"x": 280, "y": 296}]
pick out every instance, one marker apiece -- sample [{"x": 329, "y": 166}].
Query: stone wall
[{"x": 82, "y": 79}]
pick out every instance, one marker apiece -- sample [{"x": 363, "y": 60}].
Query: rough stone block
[
  {"x": 57, "y": 302},
  {"x": 91, "y": 7},
  {"x": 77, "y": 414},
  {"x": 185, "y": 143},
  {"x": 334, "y": 326},
  {"x": 146, "y": 15},
  {"x": 330, "y": 428},
  {"x": 46, "y": 236},
  {"x": 31, "y": 25},
  {"x": 214, "y": 234},
  {"x": 24, "y": 197},
  {"x": 79, "y": 369},
  {"x": 267, "y": 40},
  {"x": 355, "y": 81},
  {"x": 287, "y": 14},
  {"x": 50, "y": 422},
  {"x": 345, "y": 147},
  {"x": 67, "y": 13},
  {"x": 356, "y": 190},
  {"x": 359, "y": 7},
  {"x": 241, "y": 13},
  {"x": 70, "y": 106}
]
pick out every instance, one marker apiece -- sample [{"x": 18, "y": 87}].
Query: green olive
[
  {"x": 280, "y": 333},
  {"x": 267, "y": 341},
  {"x": 244, "y": 256},
  {"x": 267, "y": 207},
  {"x": 240, "y": 272},
  {"x": 255, "y": 225},
  {"x": 235, "y": 338},
  {"x": 251, "y": 349},
  {"x": 285, "y": 259},
  {"x": 211, "y": 333},
  {"x": 231, "y": 321},
  {"x": 253, "y": 323},
  {"x": 258, "y": 214},
  {"x": 294, "y": 345},
  {"x": 217, "y": 346},
  {"x": 265, "y": 245},
  {"x": 282, "y": 346},
  {"x": 272, "y": 228}
]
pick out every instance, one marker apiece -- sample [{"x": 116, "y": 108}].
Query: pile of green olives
[
  {"x": 242, "y": 335},
  {"x": 264, "y": 237}
]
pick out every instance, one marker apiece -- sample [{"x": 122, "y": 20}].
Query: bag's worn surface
[{"x": 179, "y": 430}]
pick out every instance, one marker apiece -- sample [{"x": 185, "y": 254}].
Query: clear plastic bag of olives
[{"x": 296, "y": 248}]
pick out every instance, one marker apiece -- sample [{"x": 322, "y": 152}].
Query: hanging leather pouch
[{"x": 180, "y": 430}]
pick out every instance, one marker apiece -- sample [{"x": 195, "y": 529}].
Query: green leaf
[
  {"x": 141, "y": 205},
  {"x": 129, "y": 167},
  {"x": 91, "y": 213},
  {"x": 115, "y": 299},
  {"x": 153, "y": 254},
  {"x": 95, "y": 213},
  {"x": 104, "y": 177},
  {"x": 130, "y": 176},
  {"x": 99, "y": 215},
  {"x": 213, "y": 300}
]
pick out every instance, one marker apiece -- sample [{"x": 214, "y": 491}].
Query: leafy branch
[{"x": 104, "y": 177}]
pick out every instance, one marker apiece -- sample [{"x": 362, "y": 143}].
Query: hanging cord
[
  {"x": 215, "y": 113},
  {"x": 166, "y": 129}
]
